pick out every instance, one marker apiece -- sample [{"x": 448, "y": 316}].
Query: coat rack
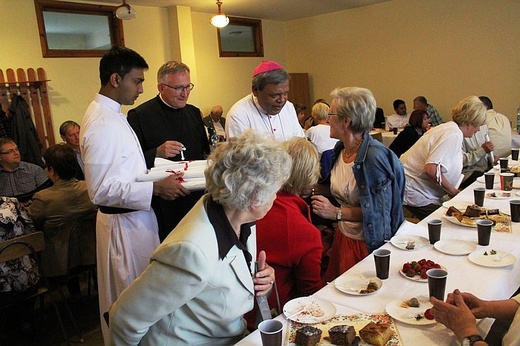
[{"x": 33, "y": 88}]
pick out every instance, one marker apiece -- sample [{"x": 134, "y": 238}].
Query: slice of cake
[
  {"x": 452, "y": 211},
  {"x": 472, "y": 211},
  {"x": 308, "y": 336},
  {"x": 342, "y": 335},
  {"x": 376, "y": 334}
]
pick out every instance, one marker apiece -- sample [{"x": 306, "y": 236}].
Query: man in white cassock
[{"x": 126, "y": 227}]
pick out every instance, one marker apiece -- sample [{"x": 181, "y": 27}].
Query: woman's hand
[
  {"x": 455, "y": 315},
  {"x": 264, "y": 277},
  {"x": 322, "y": 207}
]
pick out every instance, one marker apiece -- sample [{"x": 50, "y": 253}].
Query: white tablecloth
[{"x": 486, "y": 283}]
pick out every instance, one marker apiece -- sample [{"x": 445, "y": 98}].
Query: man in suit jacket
[
  {"x": 56, "y": 208},
  {"x": 165, "y": 125},
  {"x": 216, "y": 122}
]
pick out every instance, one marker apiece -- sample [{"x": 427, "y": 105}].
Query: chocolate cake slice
[{"x": 342, "y": 335}]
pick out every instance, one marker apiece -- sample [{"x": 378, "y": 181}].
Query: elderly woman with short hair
[
  {"x": 434, "y": 164},
  {"x": 366, "y": 179},
  {"x": 199, "y": 283}
]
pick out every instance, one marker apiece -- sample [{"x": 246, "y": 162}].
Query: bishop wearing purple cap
[{"x": 266, "y": 110}]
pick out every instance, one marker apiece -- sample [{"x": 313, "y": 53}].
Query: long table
[{"x": 484, "y": 282}]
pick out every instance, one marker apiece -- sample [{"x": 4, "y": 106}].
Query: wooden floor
[{"x": 85, "y": 309}]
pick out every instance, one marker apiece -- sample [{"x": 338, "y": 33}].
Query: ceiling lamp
[
  {"x": 125, "y": 11},
  {"x": 219, "y": 20}
]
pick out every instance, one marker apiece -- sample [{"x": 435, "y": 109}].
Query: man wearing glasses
[
  {"x": 166, "y": 127},
  {"x": 18, "y": 178}
]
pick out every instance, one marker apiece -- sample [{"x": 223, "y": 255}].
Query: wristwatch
[
  {"x": 338, "y": 214},
  {"x": 470, "y": 340}
]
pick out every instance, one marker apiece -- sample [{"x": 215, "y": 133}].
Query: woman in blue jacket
[{"x": 367, "y": 180}]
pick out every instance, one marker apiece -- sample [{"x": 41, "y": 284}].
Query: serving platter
[
  {"x": 358, "y": 321},
  {"x": 417, "y": 278}
]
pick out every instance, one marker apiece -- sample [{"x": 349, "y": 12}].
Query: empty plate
[{"x": 455, "y": 247}]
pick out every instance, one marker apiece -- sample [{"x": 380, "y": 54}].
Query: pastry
[
  {"x": 452, "y": 211},
  {"x": 472, "y": 211},
  {"x": 308, "y": 336},
  {"x": 411, "y": 303},
  {"x": 342, "y": 335},
  {"x": 376, "y": 334}
]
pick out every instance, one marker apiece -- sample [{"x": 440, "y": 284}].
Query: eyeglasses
[
  {"x": 332, "y": 115},
  {"x": 180, "y": 88},
  {"x": 10, "y": 151}
]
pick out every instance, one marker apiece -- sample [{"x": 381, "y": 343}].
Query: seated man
[
  {"x": 400, "y": 118},
  {"x": 475, "y": 156},
  {"x": 499, "y": 129},
  {"x": 69, "y": 132},
  {"x": 216, "y": 122},
  {"x": 19, "y": 179},
  {"x": 421, "y": 103},
  {"x": 54, "y": 210},
  {"x": 461, "y": 309}
]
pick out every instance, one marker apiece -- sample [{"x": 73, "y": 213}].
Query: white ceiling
[{"x": 262, "y": 9}]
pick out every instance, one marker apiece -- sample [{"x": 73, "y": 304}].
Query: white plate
[
  {"x": 500, "y": 194},
  {"x": 504, "y": 259},
  {"x": 455, "y": 247},
  {"x": 353, "y": 284},
  {"x": 407, "y": 315},
  {"x": 417, "y": 278},
  {"x": 454, "y": 220},
  {"x": 460, "y": 205},
  {"x": 400, "y": 241},
  {"x": 316, "y": 310}
]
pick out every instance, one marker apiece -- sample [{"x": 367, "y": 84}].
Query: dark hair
[
  {"x": 261, "y": 80},
  {"x": 62, "y": 159},
  {"x": 397, "y": 103},
  {"x": 120, "y": 60},
  {"x": 65, "y": 126},
  {"x": 321, "y": 101},
  {"x": 486, "y": 101},
  {"x": 300, "y": 108},
  {"x": 416, "y": 118}
]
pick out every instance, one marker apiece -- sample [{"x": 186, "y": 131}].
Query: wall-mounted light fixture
[
  {"x": 219, "y": 20},
  {"x": 125, "y": 11}
]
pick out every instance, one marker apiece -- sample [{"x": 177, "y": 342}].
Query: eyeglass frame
[
  {"x": 10, "y": 151},
  {"x": 179, "y": 89}
]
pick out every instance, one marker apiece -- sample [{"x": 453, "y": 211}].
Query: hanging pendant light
[
  {"x": 219, "y": 20},
  {"x": 125, "y": 11}
]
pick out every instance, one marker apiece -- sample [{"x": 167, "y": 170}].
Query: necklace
[{"x": 346, "y": 155}]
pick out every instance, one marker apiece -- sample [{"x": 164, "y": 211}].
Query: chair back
[
  {"x": 82, "y": 242},
  {"x": 21, "y": 246},
  {"x": 377, "y": 136}
]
